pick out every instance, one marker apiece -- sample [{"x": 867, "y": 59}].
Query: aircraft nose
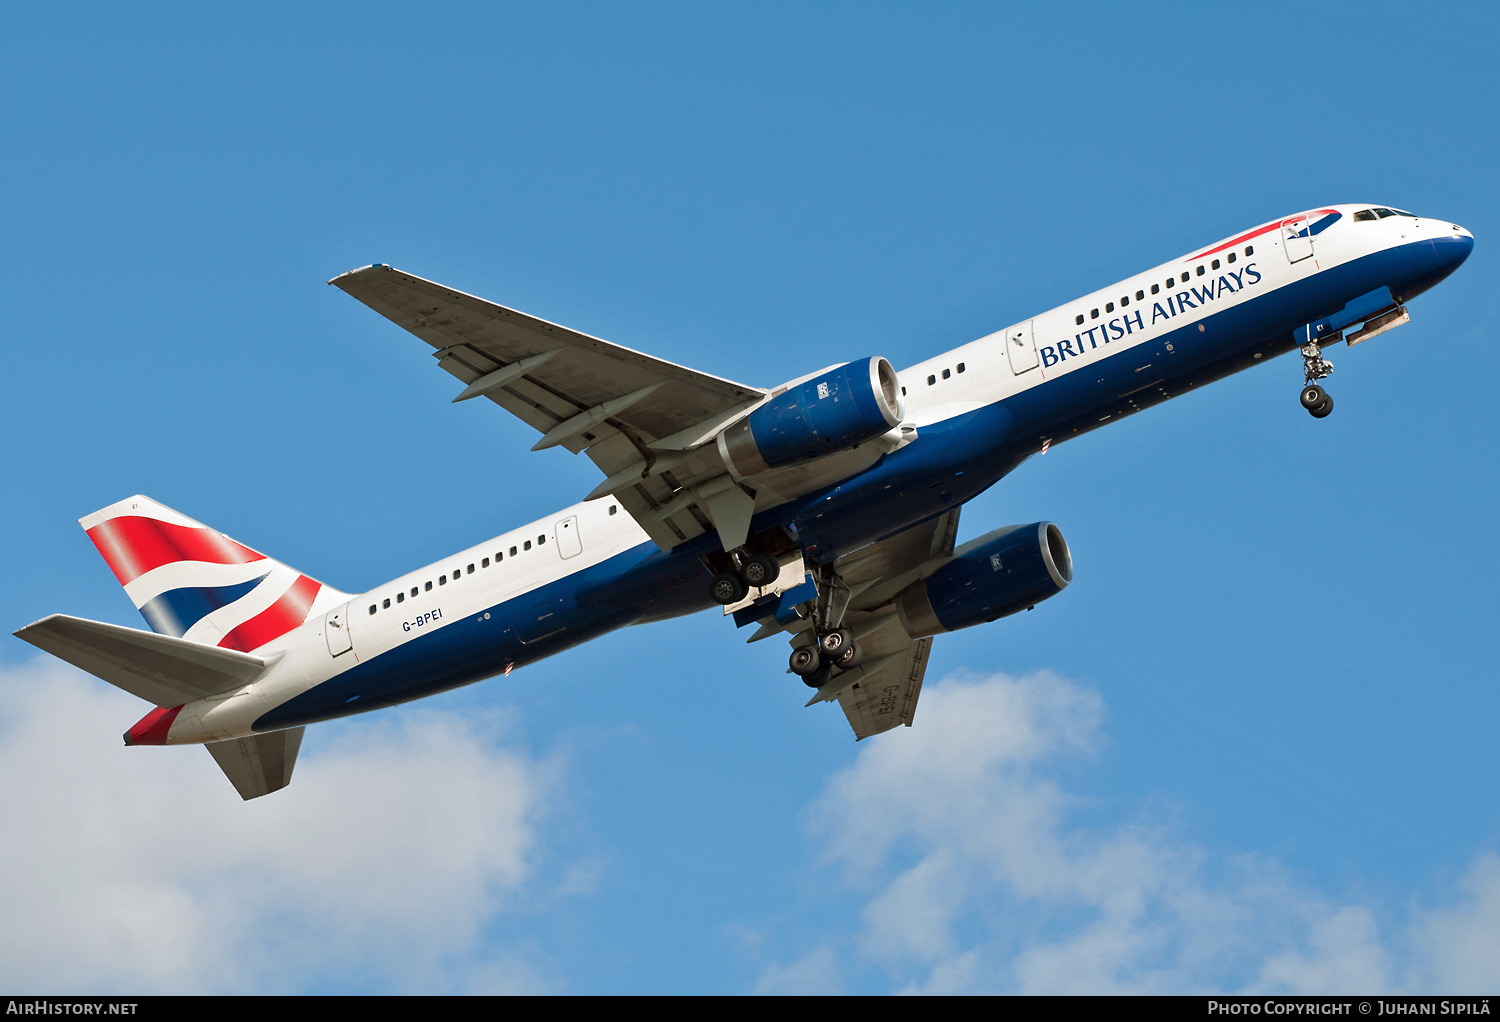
[{"x": 1457, "y": 245}]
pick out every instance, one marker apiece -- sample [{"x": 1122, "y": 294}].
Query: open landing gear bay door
[
  {"x": 882, "y": 692},
  {"x": 645, "y": 422}
]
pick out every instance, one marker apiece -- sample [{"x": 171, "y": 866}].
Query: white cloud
[
  {"x": 141, "y": 869},
  {"x": 979, "y": 879}
]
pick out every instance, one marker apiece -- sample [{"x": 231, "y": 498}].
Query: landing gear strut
[
  {"x": 834, "y": 646},
  {"x": 1315, "y": 367}
]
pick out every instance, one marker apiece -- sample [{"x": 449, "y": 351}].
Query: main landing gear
[
  {"x": 834, "y": 646},
  {"x": 815, "y": 662},
  {"x": 753, "y": 573},
  {"x": 1315, "y": 367}
]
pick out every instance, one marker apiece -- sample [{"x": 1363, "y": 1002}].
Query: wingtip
[{"x": 358, "y": 269}]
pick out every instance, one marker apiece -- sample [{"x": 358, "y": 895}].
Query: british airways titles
[{"x": 1228, "y": 283}]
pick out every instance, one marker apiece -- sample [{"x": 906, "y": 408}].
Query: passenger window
[
  {"x": 960, "y": 367},
  {"x": 1200, "y": 271},
  {"x": 1109, "y": 307},
  {"x": 613, "y": 508},
  {"x": 471, "y": 569},
  {"x": 903, "y": 394},
  {"x": 1093, "y": 314},
  {"x": 443, "y": 579},
  {"x": 499, "y": 556},
  {"x": 1155, "y": 288},
  {"x": 513, "y": 551},
  {"x": 372, "y": 608},
  {"x": 1140, "y": 296},
  {"x": 1124, "y": 301},
  {"x": 1215, "y": 266},
  {"x": 947, "y": 373},
  {"x": 1249, "y": 250},
  {"x": 931, "y": 380},
  {"x": 1171, "y": 281},
  {"x": 428, "y": 587},
  {"x": 485, "y": 563},
  {"x": 400, "y": 597},
  {"x": 526, "y": 545},
  {"x": 1079, "y": 320},
  {"x": 1185, "y": 276},
  {"x": 1231, "y": 257},
  {"x": 455, "y": 574},
  {"x": 386, "y": 603},
  {"x": 414, "y": 592},
  {"x": 541, "y": 541}
]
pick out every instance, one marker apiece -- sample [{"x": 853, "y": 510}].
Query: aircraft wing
[
  {"x": 882, "y": 692},
  {"x": 627, "y": 410}
]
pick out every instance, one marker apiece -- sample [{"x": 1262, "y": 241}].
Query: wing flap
[
  {"x": 889, "y": 698},
  {"x": 161, "y": 669}
]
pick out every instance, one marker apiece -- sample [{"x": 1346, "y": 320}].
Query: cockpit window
[
  {"x": 1402, "y": 212},
  {"x": 1381, "y": 211},
  {"x": 1364, "y": 214}
]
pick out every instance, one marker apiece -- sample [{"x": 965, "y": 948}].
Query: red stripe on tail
[
  {"x": 277, "y": 619},
  {"x": 132, "y": 546},
  {"x": 153, "y": 727}
]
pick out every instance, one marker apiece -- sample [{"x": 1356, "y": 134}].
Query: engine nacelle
[
  {"x": 829, "y": 412},
  {"x": 1010, "y": 569}
]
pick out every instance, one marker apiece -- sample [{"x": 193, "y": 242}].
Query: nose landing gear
[
  {"x": 1317, "y": 401},
  {"x": 1315, "y": 367}
]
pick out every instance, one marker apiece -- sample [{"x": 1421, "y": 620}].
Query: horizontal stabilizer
[
  {"x": 161, "y": 669},
  {"x": 260, "y": 764}
]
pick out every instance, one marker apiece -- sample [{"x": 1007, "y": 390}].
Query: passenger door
[
  {"x": 1020, "y": 347},
  {"x": 569, "y": 542},
  {"x": 336, "y": 631},
  {"x": 1296, "y": 238}
]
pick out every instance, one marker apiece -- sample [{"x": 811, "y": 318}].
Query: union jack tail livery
[{"x": 191, "y": 582}]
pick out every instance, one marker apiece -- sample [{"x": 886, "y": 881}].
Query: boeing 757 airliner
[{"x": 825, "y": 508}]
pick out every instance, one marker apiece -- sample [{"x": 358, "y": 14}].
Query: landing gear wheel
[
  {"x": 852, "y": 657},
  {"x": 818, "y": 680},
  {"x": 806, "y": 661},
  {"x": 727, "y": 588},
  {"x": 836, "y": 642},
  {"x": 1313, "y": 396},
  {"x": 1323, "y": 409},
  {"x": 760, "y": 570}
]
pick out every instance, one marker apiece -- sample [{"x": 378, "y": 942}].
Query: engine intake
[
  {"x": 829, "y": 412},
  {"x": 1010, "y": 569}
]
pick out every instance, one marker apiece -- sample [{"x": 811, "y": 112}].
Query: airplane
[{"x": 825, "y": 509}]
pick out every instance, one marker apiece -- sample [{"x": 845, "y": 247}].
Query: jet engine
[
  {"x": 1010, "y": 569},
  {"x": 828, "y": 412}
]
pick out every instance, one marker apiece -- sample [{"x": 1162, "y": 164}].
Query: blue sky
[{"x": 1251, "y": 748}]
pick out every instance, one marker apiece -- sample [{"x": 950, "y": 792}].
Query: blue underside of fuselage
[{"x": 951, "y": 462}]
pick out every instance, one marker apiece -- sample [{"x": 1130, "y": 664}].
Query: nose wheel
[
  {"x": 1317, "y": 401},
  {"x": 1315, "y": 367}
]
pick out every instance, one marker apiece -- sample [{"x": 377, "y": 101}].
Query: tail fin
[{"x": 191, "y": 582}]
